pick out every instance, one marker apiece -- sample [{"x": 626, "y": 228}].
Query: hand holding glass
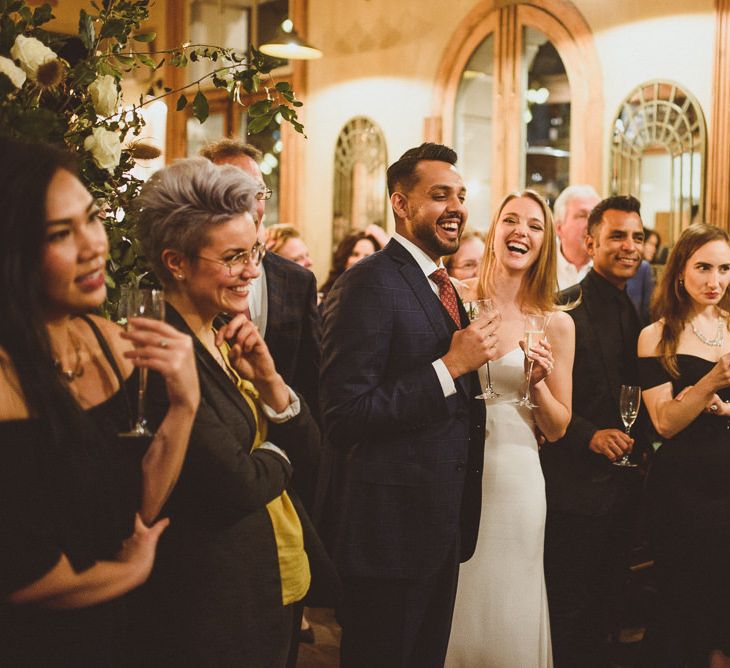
[
  {"x": 534, "y": 331},
  {"x": 475, "y": 309},
  {"x": 142, "y": 303},
  {"x": 629, "y": 402}
]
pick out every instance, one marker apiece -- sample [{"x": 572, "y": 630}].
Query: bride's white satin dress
[{"x": 501, "y": 613}]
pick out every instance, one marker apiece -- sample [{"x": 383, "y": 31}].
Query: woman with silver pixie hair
[{"x": 233, "y": 562}]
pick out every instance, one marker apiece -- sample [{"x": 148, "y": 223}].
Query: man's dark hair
[
  {"x": 230, "y": 148},
  {"x": 403, "y": 171},
  {"x": 627, "y": 203}
]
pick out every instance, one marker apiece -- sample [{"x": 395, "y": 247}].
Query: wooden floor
[{"x": 325, "y": 652}]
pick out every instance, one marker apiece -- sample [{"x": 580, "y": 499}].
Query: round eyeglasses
[
  {"x": 240, "y": 260},
  {"x": 264, "y": 193}
]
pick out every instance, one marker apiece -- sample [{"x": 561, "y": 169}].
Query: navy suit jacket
[
  {"x": 293, "y": 326},
  {"x": 410, "y": 459}
]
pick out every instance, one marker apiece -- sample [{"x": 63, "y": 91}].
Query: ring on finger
[
  {"x": 713, "y": 408},
  {"x": 163, "y": 343}
]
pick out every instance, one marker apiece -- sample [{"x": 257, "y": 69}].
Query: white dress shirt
[
  {"x": 568, "y": 273},
  {"x": 258, "y": 302},
  {"x": 428, "y": 266}
]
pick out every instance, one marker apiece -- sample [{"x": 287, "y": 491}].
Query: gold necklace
[{"x": 70, "y": 375}]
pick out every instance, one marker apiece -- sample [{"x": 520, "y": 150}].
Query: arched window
[
  {"x": 359, "y": 188},
  {"x": 518, "y": 94},
  {"x": 658, "y": 155}
]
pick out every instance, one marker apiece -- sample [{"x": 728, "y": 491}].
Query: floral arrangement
[{"x": 67, "y": 90}]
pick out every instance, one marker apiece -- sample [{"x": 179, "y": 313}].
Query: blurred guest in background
[
  {"x": 684, "y": 361},
  {"x": 652, "y": 246},
  {"x": 285, "y": 240},
  {"x": 353, "y": 248},
  {"x": 464, "y": 264},
  {"x": 68, "y": 491},
  {"x": 571, "y": 223}
]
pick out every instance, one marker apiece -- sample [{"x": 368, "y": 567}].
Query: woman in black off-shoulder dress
[
  {"x": 685, "y": 373},
  {"x": 70, "y": 544}
]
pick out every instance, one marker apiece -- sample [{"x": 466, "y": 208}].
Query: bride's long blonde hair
[{"x": 540, "y": 282}]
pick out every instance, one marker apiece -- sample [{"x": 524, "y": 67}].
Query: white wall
[{"x": 381, "y": 59}]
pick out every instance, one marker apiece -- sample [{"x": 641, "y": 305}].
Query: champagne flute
[
  {"x": 474, "y": 309},
  {"x": 142, "y": 303},
  {"x": 629, "y": 402},
  {"x": 534, "y": 331}
]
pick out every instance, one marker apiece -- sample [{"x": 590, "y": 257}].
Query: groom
[{"x": 397, "y": 393}]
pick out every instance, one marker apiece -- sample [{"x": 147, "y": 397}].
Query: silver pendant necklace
[
  {"x": 71, "y": 374},
  {"x": 719, "y": 335}
]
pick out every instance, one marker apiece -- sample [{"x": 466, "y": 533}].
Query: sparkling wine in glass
[
  {"x": 629, "y": 402},
  {"x": 474, "y": 309},
  {"x": 142, "y": 303},
  {"x": 534, "y": 332}
]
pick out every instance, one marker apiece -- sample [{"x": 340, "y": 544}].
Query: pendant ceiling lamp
[{"x": 288, "y": 45}]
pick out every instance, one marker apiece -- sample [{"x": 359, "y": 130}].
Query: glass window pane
[
  {"x": 473, "y": 132},
  {"x": 269, "y": 142},
  {"x": 200, "y": 134},
  {"x": 223, "y": 23},
  {"x": 546, "y": 116}
]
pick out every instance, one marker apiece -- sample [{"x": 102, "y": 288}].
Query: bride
[{"x": 501, "y": 616}]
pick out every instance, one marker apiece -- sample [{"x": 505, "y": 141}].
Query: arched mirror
[
  {"x": 360, "y": 187},
  {"x": 658, "y": 155}
]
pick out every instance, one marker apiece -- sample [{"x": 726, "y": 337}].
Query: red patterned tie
[{"x": 447, "y": 294}]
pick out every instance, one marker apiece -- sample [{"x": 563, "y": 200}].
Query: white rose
[
  {"x": 104, "y": 95},
  {"x": 12, "y": 71},
  {"x": 105, "y": 147},
  {"x": 31, "y": 53}
]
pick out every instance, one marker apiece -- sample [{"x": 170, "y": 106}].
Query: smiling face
[
  {"x": 432, "y": 214},
  {"x": 362, "y": 249},
  {"x": 519, "y": 234},
  {"x": 208, "y": 284},
  {"x": 616, "y": 246},
  {"x": 75, "y": 248},
  {"x": 707, "y": 273}
]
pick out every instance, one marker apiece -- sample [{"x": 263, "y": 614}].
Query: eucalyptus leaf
[
  {"x": 145, "y": 37},
  {"x": 182, "y": 102},
  {"x": 200, "y": 107}
]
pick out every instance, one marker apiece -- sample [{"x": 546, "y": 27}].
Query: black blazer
[
  {"x": 214, "y": 595},
  {"x": 409, "y": 469},
  {"x": 293, "y": 326},
  {"x": 578, "y": 480}
]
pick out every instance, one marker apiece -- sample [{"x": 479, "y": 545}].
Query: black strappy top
[{"x": 75, "y": 497}]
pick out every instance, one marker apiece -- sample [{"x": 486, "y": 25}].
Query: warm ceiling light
[{"x": 289, "y": 45}]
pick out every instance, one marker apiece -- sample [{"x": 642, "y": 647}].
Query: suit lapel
[
  {"x": 443, "y": 325},
  {"x": 210, "y": 371},
  {"x": 275, "y": 287},
  {"x": 598, "y": 319}
]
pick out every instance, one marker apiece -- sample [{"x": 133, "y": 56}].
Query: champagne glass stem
[
  {"x": 141, "y": 392},
  {"x": 527, "y": 386},
  {"x": 489, "y": 379}
]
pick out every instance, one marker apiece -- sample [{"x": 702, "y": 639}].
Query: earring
[
  {"x": 681, "y": 282},
  {"x": 179, "y": 277}
]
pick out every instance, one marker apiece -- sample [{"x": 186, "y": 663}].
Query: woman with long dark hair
[
  {"x": 70, "y": 545},
  {"x": 684, "y": 361},
  {"x": 353, "y": 248}
]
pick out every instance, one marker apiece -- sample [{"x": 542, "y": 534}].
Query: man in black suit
[
  {"x": 397, "y": 388},
  {"x": 591, "y": 504},
  {"x": 283, "y": 300}
]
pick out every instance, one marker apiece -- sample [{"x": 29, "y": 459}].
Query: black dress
[
  {"x": 75, "y": 494},
  {"x": 689, "y": 512}
]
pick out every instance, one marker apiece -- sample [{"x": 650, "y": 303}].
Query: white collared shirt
[
  {"x": 568, "y": 273},
  {"x": 258, "y": 302},
  {"x": 428, "y": 266}
]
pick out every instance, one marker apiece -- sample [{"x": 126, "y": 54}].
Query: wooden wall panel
[{"x": 717, "y": 206}]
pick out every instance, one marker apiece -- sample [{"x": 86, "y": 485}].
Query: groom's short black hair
[{"x": 403, "y": 171}]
